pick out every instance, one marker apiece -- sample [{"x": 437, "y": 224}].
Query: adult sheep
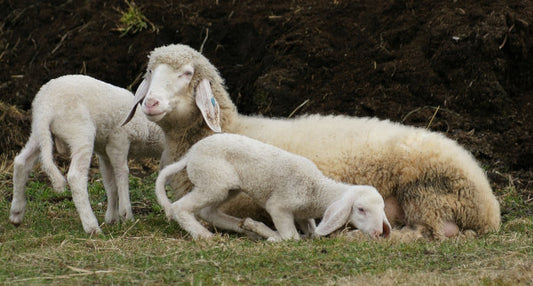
[{"x": 438, "y": 185}]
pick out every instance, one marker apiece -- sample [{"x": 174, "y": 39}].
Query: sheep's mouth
[{"x": 155, "y": 116}]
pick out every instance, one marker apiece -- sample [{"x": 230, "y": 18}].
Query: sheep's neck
[
  {"x": 328, "y": 191},
  {"x": 333, "y": 191},
  {"x": 179, "y": 141}
]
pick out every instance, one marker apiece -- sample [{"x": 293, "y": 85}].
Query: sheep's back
[{"x": 398, "y": 160}]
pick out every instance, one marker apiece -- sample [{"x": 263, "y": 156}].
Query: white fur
[
  {"x": 81, "y": 114},
  {"x": 432, "y": 181},
  {"x": 288, "y": 186}
]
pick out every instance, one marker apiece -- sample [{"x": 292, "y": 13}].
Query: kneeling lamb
[
  {"x": 288, "y": 186},
  {"x": 84, "y": 113}
]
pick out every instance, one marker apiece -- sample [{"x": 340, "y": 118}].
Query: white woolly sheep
[
  {"x": 288, "y": 186},
  {"x": 435, "y": 182},
  {"x": 80, "y": 114}
]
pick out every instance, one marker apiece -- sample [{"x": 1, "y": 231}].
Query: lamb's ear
[
  {"x": 336, "y": 215},
  {"x": 140, "y": 94},
  {"x": 208, "y": 105}
]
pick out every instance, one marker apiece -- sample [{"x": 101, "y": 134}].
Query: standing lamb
[
  {"x": 437, "y": 184},
  {"x": 80, "y": 114},
  {"x": 288, "y": 186}
]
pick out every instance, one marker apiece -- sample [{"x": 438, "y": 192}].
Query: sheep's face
[
  {"x": 368, "y": 214},
  {"x": 167, "y": 89}
]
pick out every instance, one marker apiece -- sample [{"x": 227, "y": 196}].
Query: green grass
[
  {"x": 50, "y": 247},
  {"x": 132, "y": 20}
]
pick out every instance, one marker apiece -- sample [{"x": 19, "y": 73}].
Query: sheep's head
[
  {"x": 363, "y": 207},
  {"x": 178, "y": 87}
]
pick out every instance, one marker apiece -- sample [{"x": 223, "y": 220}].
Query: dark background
[{"x": 467, "y": 63}]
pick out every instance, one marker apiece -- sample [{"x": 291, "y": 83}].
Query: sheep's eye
[
  {"x": 361, "y": 210},
  {"x": 186, "y": 73}
]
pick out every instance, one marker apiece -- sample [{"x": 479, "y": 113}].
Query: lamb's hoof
[
  {"x": 111, "y": 219},
  {"x": 274, "y": 239},
  {"x": 60, "y": 187},
  {"x": 204, "y": 237},
  {"x": 16, "y": 218},
  {"x": 125, "y": 217},
  {"x": 93, "y": 230}
]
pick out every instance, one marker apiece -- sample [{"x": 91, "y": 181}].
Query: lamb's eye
[{"x": 361, "y": 210}]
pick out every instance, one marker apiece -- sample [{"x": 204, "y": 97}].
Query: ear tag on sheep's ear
[{"x": 208, "y": 105}]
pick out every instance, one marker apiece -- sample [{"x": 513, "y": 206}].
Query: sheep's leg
[
  {"x": 117, "y": 152},
  {"x": 260, "y": 229},
  {"x": 219, "y": 219},
  {"x": 429, "y": 223},
  {"x": 77, "y": 179},
  {"x": 24, "y": 163},
  {"x": 111, "y": 214},
  {"x": 284, "y": 222},
  {"x": 184, "y": 211}
]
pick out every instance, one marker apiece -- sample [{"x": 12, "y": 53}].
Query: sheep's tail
[
  {"x": 161, "y": 181},
  {"x": 41, "y": 128}
]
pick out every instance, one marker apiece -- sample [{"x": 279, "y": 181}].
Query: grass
[
  {"x": 132, "y": 20},
  {"x": 50, "y": 247}
]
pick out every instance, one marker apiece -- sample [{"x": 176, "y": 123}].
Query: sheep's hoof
[
  {"x": 93, "y": 230},
  {"x": 274, "y": 239},
  {"x": 111, "y": 219},
  {"x": 60, "y": 187},
  {"x": 204, "y": 237},
  {"x": 127, "y": 217},
  {"x": 16, "y": 218}
]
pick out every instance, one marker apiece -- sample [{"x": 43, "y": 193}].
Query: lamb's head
[
  {"x": 363, "y": 207},
  {"x": 180, "y": 85}
]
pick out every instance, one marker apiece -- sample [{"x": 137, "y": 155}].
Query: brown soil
[{"x": 467, "y": 63}]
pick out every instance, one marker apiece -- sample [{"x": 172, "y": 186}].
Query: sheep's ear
[
  {"x": 140, "y": 94},
  {"x": 336, "y": 215},
  {"x": 208, "y": 105}
]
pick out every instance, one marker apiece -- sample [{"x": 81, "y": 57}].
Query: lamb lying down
[{"x": 290, "y": 187}]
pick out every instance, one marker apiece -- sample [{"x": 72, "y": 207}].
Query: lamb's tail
[
  {"x": 41, "y": 128},
  {"x": 161, "y": 181}
]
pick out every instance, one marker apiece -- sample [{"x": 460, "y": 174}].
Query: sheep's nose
[{"x": 151, "y": 103}]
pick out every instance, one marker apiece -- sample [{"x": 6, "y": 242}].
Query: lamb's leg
[
  {"x": 260, "y": 229},
  {"x": 77, "y": 179},
  {"x": 24, "y": 163},
  {"x": 219, "y": 219},
  {"x": 108, "y": 176},
  {"x": 284, "y": 222},
  {"x": 184, "y": 211},
  {"x": 117, "y": 152}
]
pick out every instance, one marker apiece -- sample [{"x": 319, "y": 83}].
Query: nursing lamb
[{"x": 288, "y": 186}]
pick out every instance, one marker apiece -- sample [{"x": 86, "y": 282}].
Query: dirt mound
[{"x": 463, "y": 68}]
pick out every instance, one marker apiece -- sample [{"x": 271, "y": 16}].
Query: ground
[{"x": 463, "y": 68}]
